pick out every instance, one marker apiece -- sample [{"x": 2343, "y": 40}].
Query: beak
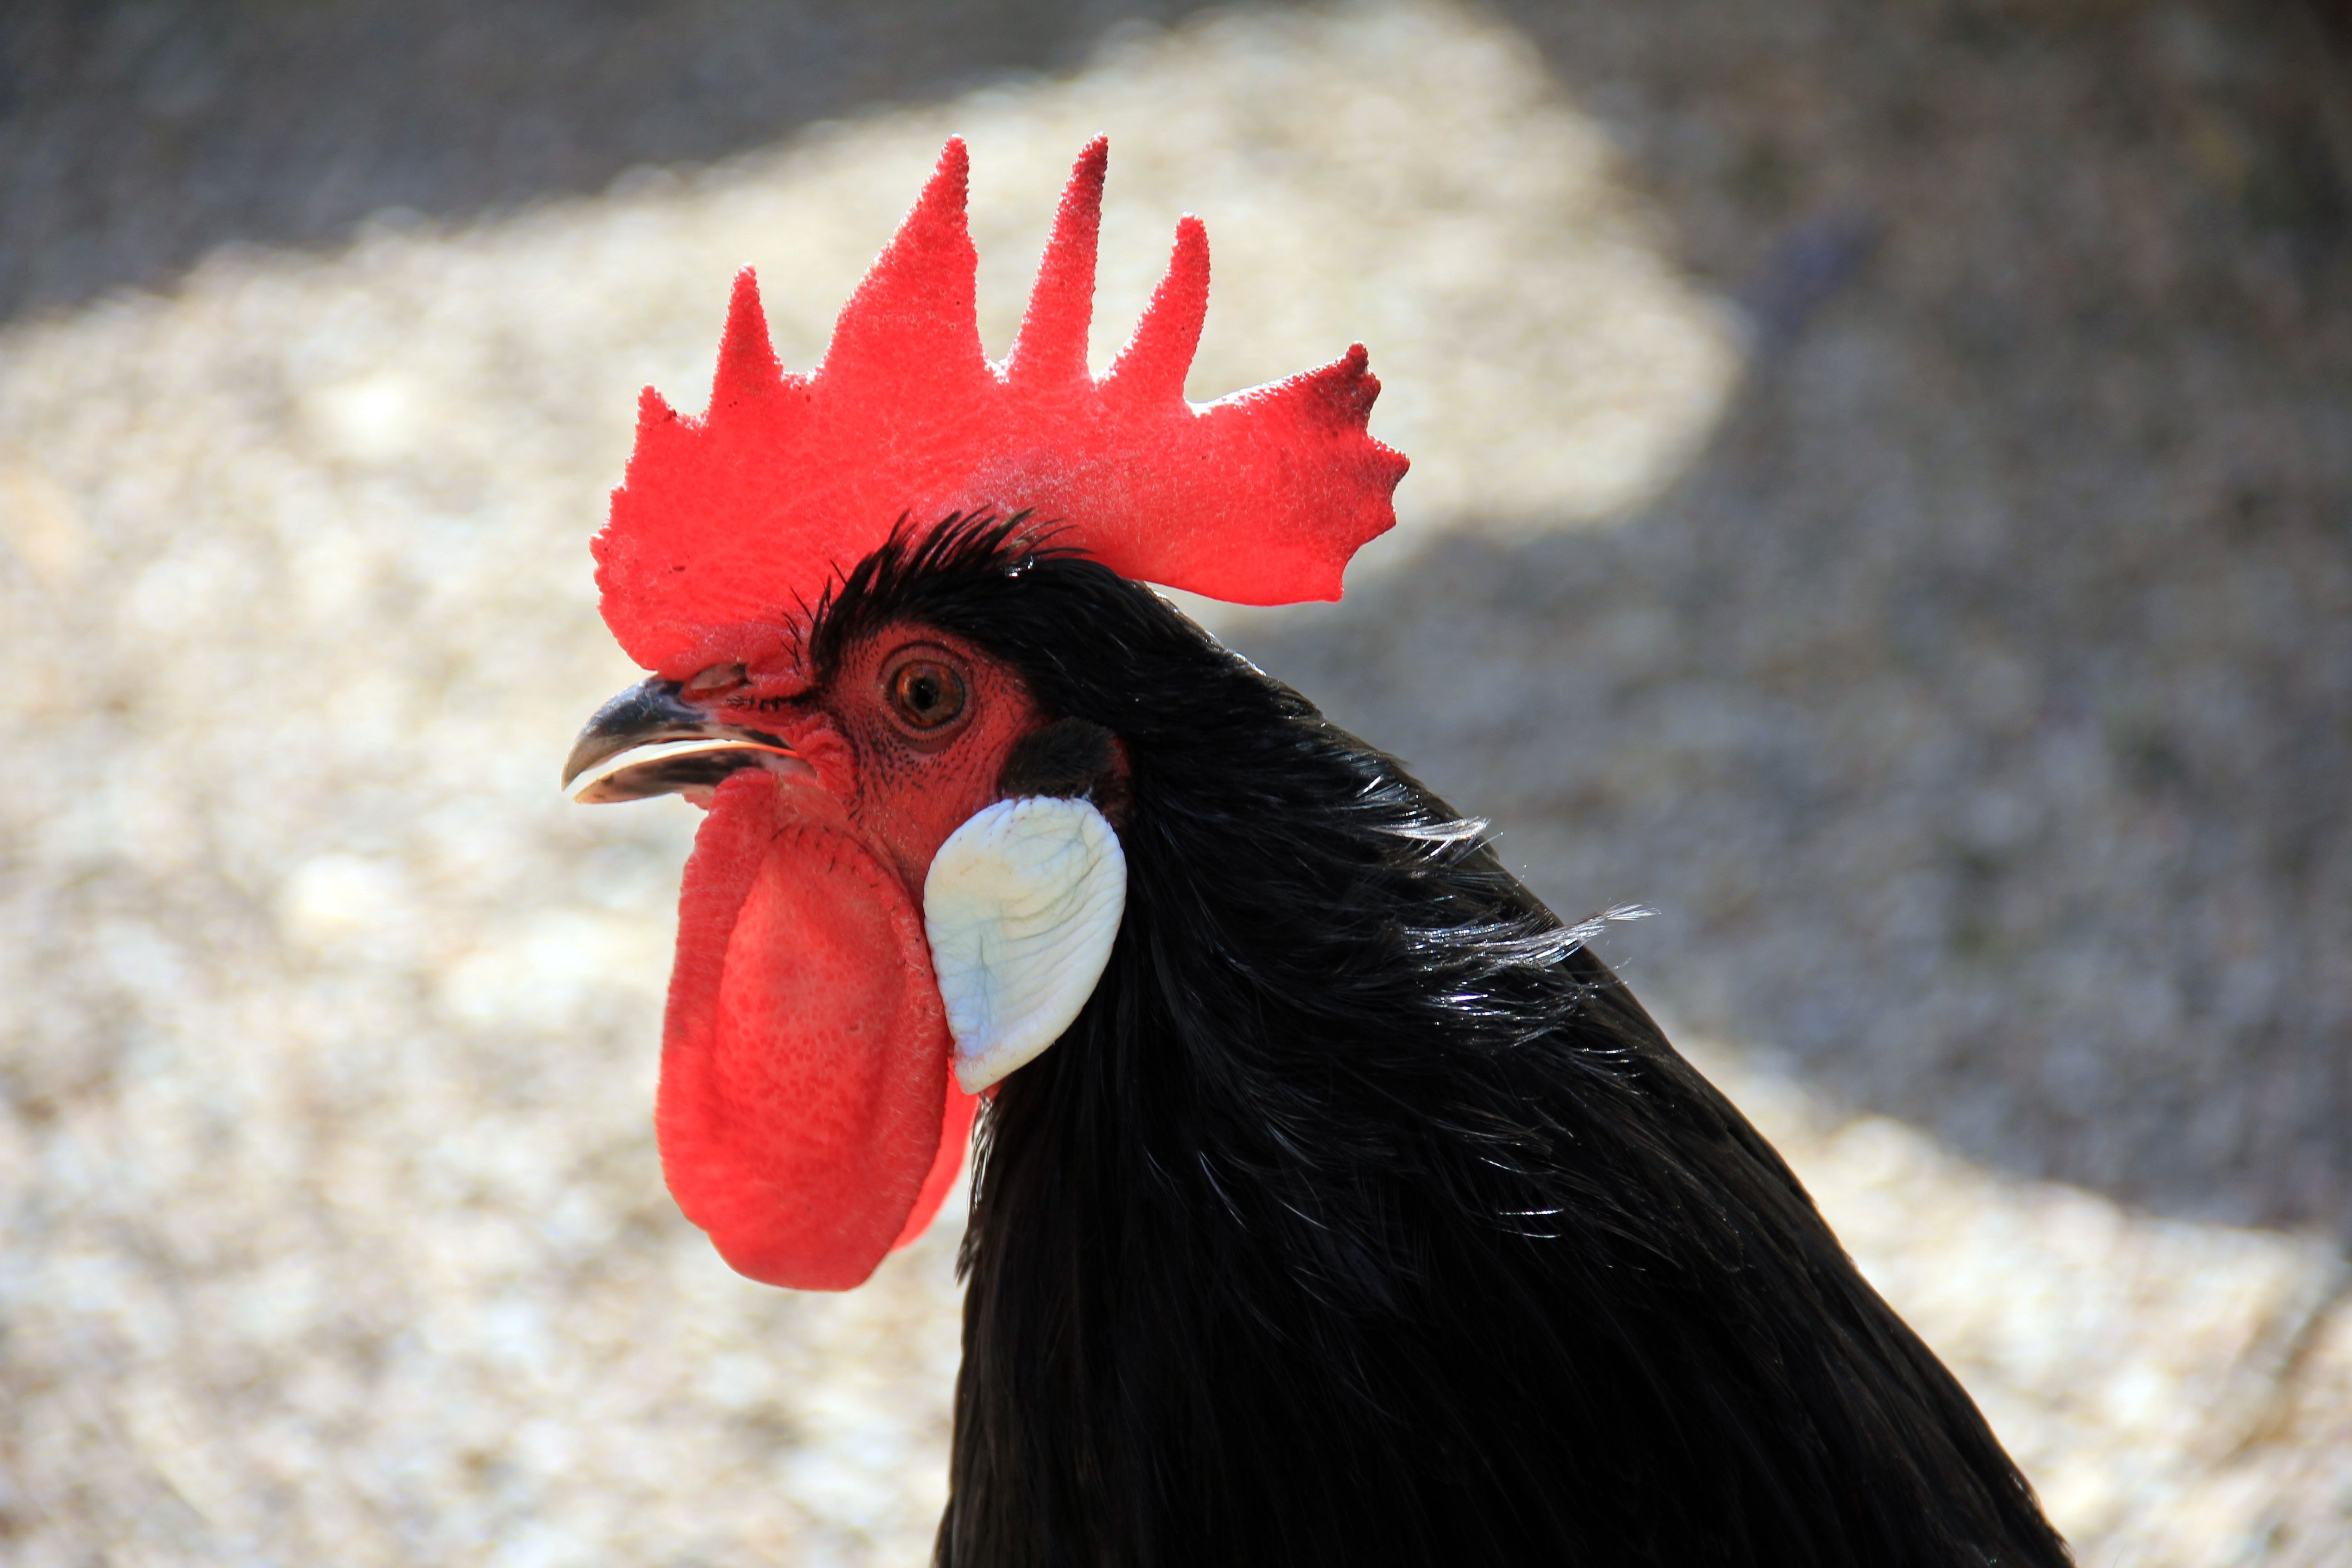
[{"x": 695, "y": 750}]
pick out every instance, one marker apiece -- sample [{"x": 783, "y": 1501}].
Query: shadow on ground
[{"x": 136, "y": 135}]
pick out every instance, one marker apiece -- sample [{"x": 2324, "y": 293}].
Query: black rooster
[{"x": 1356, "y": 1213}]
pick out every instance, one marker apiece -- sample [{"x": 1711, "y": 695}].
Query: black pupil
[{"x": 929, "y": 694}]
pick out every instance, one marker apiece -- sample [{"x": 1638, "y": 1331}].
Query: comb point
[
  {"x": 748, "y": 366},
  {"x": 653, "y": 410},
  {"x": 916, "y": 312},
  {"x": 1051, "y": 348},
  {"x": 1152, "y": 367}
]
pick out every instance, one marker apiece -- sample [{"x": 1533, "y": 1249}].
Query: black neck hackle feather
[{"x": 1362, "y": 1216}]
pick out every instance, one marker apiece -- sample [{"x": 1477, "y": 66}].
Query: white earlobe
[{"x": 1021, "y": 905}]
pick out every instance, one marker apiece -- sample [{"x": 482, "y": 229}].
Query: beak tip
[
  {"x": 590, "y": 749},
  {"x": 648, "y": 713}
]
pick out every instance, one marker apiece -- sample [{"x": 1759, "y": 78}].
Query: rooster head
[{"x": 910, "y": 878}]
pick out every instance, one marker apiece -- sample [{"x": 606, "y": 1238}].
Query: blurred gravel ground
[{"x": 1882, "y": 496}]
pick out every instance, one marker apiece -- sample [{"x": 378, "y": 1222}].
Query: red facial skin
[
  {"x": 807, "y": 1118},
  {"x": 908, "y": 787}
]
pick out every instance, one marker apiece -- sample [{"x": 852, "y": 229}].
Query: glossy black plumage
[{"x": 1362, "y": 1216}]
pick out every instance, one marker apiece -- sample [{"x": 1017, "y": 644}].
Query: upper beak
[{"x": 653, "y": 712}]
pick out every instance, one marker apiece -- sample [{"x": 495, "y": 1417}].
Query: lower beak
[{"x": 687, "y": 751}]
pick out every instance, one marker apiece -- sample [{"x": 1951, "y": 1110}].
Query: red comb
[{"x": 727, "y": 522}]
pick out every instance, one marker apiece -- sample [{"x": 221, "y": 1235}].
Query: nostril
[{"x": 717, "y": 678}]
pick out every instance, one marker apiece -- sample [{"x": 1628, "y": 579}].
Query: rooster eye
[{"x": 925, "y": 693}]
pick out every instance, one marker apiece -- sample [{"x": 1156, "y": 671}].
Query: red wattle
[
  {"x": 955, "y": 1136},
  {"x": 805, "y": 1078}
]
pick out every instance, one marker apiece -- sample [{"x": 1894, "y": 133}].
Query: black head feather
[
  {"x": 1069, "y": 757},
  {"x": 1362, "y": 1215}
]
